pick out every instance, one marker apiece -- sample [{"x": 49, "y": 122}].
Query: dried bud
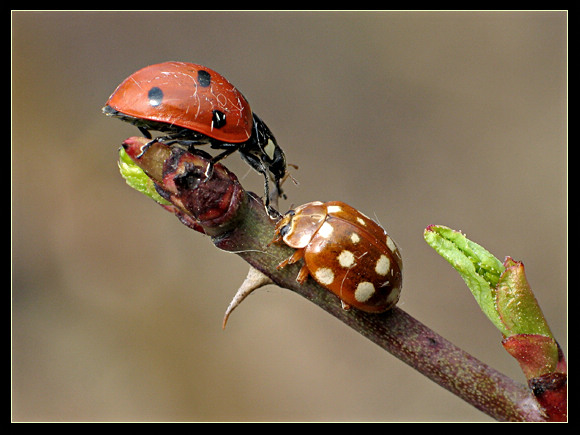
[{"x": 202, "y": 194}]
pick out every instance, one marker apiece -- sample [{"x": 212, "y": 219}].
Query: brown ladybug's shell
[{"x": 346, "y": 252}]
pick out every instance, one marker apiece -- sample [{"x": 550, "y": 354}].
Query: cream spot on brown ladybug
[
  {"x": 383, "y": 265},
  {"x": 354, "y": 238},
  {"x": 365, "y": 215},
  {"x": 326, "y": 230},
  {"x": 304, "y": 239},
  {"x": 334, "y": 209},
  {"x": 324, "y": 275},
  {"x": 394, "y": 295},
  {"x": 391, "y": 245},
  {"x": 364, "y": 291},
  {"x": 361, "y": 221},
  {"x": 346, "y": 259}
]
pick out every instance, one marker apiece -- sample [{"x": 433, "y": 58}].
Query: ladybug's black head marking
[
  {"x": 263, "y": 154},
  {"x": 285, "y": 229},
  {"x": 269, "y": 151}
]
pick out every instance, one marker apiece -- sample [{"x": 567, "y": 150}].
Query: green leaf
[
  {"x": 501, "y": 289},
  {"x": 137, "y": 179},
  {"x": 504, "y": 295},
  {"x": 479, "y": 269}
]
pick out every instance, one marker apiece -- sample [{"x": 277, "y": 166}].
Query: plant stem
[
  {"x": 444, "y": 363},
  {"x": 237, "y": 222},
  {"x": 395, "y": 331}
]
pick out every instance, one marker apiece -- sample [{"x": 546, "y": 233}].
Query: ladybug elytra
[
  {"x": 344, "y": 251},
  {"x": 194, "y": 105}
]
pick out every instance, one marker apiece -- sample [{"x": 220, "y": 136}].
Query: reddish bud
[
  {"x": 205, "y": 197},
  {"x": 551, "y": 392}
]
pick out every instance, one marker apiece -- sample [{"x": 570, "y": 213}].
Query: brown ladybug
[{"x": 344, "y": 251}]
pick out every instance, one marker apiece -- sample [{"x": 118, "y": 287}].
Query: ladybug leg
[
  {"x": 303, "y": 274},
  {"x": 184, "y": 139},
  {"x": 209, "y": 169},
  {"x": 145, "y": 132},
  {"x": 223, "y": 155},
  {"x": 146, "y": 147},
  {"x": 267, "y": 193},
  {"x": 213, "y": 160},
  {"x": 276, "y": 239},
  {"x": 296, "y": 256},
  {"x": 259, "y": 167},
  {"x": 186, "y": 144},
  {"x": 344, "y": 305}
]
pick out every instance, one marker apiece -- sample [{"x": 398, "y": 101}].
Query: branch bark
[
  {"x": 237, "y": 222},
  {"x": 395, "y": 331}
]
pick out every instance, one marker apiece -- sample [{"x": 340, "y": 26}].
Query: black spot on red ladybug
[
  {"x": 218, "y": 119},
  {"x": 203, "y": 78},
  {"x": 155, "y": 96}
]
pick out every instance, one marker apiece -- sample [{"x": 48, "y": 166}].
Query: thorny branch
[{"x": 237, "y": 222}]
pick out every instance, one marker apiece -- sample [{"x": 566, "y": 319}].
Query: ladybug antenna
[{"x": 289, "y": 175}]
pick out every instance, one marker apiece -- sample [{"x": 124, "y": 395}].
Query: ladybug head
[
  {"x": 263, "y": 154},
  {"x": 270, "y": 153},
  {"x": 284, "y": 226}
]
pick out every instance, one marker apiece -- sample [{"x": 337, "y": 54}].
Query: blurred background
[{"x": 415, "y": 118}]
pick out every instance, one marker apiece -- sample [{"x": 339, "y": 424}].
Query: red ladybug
[{"x": 195, "y": 105}]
